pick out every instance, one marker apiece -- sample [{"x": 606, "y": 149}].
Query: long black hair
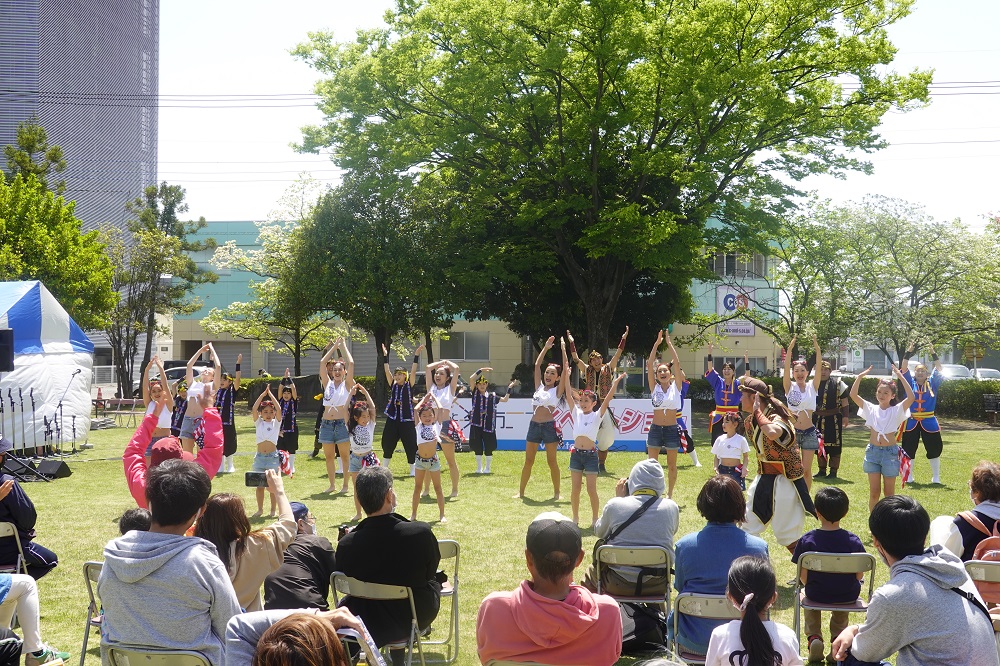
[{"x": 750, "y": 575}]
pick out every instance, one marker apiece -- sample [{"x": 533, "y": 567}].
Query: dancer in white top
[
  {"x": 542, "y": 429},
  {"x": 207, "y": 385},
  {"x": 583, "y": 455},
  {"x": 428, "y": 437},
  {"x": 337, "y": 378},
  {"x": 361, "y": 425},
  {"x": 800, "y": 396},
  {"x": 882, "y": 420},
  {"x": 154, "y": 391},
  {"x": 268, "y": 426},
  {"x": 665, "y": 383},
  {"x": 442, "y": 378}
]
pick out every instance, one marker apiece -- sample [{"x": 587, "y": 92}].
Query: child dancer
[
  {"x": 399, "y": 411},
  {"x": 542, "y": 428},
  {"x": 801, "y": 395},
  {"x": 583, "y": 454},
  {"x": 665, "y": 387},
  {"x": 882, "y": 458},
  {"x": 442, "y": 378},
  {"x": 288, "y": 403},
  {"x": 753, "y": 640},
  {"x": 483, "y": 422},
  {"x": 265, "y": 417},
  {"x": 180, "y": 407},
  {"x": 207, "y": 385},
  {"x": 428, "y": 437},
  {"x": 225, "y": 401},
  {"x": 154, "y": 391},
  {"x": 730, "y": 448},
  {"x": 361, "y": 425}
]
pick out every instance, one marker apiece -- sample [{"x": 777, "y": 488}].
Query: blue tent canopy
[{"x": 39, "y": 322}]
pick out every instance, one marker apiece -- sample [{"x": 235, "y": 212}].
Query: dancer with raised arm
[
  {"x": 597, "y": 377},
  {"x": 442, "y": 381},
  {"x": 831, "y": 417},
  {"x": 154, "y": 391},
  {"x": 207, "y": 385},
  {"x": 665, "y": 387},
  {"x": 551, "y": 390},
  {"x": 337, "y": 378},
  {"x": 361, "y": 425},
  {"x": 288, "y": 404},
  {"x": 922, "y": 424},
  {"x": 801, "y": 395},
  {"x": 483, "y": 419},
  {"x": 428, "y": 437},
  {"x": 727, "y": 393},
  {"x": 883, "y": 458},
  {"x": 399, "y": 424},
  {"x": 225, "y": 401}
]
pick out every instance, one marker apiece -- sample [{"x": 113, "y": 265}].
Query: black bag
[{"x": 644, "y": 628}]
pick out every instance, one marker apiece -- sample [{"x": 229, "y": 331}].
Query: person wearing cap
[
  {"x": 831, "y": 417},
  {"x": 655, "y": 525},
  {"x": 598, "y": 376},
  {"x": 778, "y": 496},
  {"x": 303, "y": 579},
  {"x": 548, "y": 619},
  {"x": 17, "y": 508},
  {"x": 167, "y": 448}
]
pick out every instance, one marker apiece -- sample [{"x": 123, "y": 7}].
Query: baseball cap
[
  {"x": 167, "y": 448},
  {"x": 299, "y": 510},
  {"x": 5, "y": 445},
  {"x": 551, "y": 533}
]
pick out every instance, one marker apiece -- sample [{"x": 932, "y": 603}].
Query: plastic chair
[
  {"x": 341, "y": 583},
  {"x": 838, "y": 563},
  {"x": 449, "y": 550},
  {"x": 8, "y": 530},
  {"x": 656, "y": 557},
  {"x": 705, "y": 606},
  {"x": 91, "y": 572},
  {"x": 122, "y": 655}
]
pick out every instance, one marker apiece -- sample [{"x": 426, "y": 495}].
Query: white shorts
[{"x": 789, "y": 518}]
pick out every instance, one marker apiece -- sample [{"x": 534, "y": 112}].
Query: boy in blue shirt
[{"x": 831, "y": 506}]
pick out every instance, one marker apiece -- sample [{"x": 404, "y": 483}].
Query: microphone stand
[
  {"x": 59, "y": 407},
  {"x": 13, "y": 414},
  {"x": 14, "y": 465},
  {"x": 34, "y": 428},
  {"x": 24, "y": 440}
]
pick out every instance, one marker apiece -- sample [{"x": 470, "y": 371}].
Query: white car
[
  {"x": 955, "y": 371},
  {"x": 987, "y": 374},
  {"x": 174, "y": 375}
]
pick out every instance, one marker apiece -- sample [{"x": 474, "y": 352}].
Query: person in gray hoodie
[
  {"x": 160, "y": 588},
  {"x": 929, "y": 611},
  {"x": 655, "y": 527}
]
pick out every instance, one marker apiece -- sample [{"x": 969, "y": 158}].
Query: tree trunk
[
  {"x": 428, "y": 343},
  {"x": 381, "y": 396},
  {"x": 599, "y": 312},
  {"x": 150, "y": 330},
  {"x": 298, "y": 353}
]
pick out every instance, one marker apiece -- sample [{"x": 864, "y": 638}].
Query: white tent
[{"x": 53, "y": 365}]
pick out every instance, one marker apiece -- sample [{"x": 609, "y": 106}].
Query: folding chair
[
  {"x": 121, "y": 655},
  {"x": 91, "y": 572},
  {"x": 706, "y": 607},
  {"x": 654, "y": 557},
  {"x": 20, "y": 566},
  {"x": 449, "y": 550},
  {"x": 343, "y": 584},
  {"x": 838, "y": 563}
]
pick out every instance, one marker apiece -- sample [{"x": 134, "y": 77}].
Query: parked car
[
  {"x": 174, "y": 375},
  {"x": 955, "y": 371},
  {"x": 987, "y": 374}
]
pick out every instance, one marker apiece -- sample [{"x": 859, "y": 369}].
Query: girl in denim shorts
[
  {"x": 665, "y": 388},
  {"x": 265, "y": 418},
  {"x": 550, "y": 391},
  {"x": 428, "y": 438},
  {"x": 801, "y": 395},
  {"x": 882, "y": 456},
  {"x": 361, "y": 426}
]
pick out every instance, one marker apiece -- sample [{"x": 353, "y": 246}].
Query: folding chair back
[
  {"x": 341, "y": 584},
  {"x": 9, "y": 530},
  {"x": 143, "y": 656},
  {"x": 449, "y": 550},
  {"x": 835, "y": 563},
  {"x": 983, "y": 571},
  {"x": 91, "y": 572},
  {"x": 706, "y": 607},
  {"x": 648, "y": 557}
]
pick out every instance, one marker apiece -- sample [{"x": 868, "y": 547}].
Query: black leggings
[
  {"x": 932, "y": 442},
  {"x": 396, "y": 431},
  {"x": 482, "y": 442},
  {"x": 229, "y": 439}
]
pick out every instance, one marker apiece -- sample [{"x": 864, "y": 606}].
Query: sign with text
[{"x": 730, "y": 301}]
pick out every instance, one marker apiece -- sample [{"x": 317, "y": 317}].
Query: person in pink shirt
[
  {"x": 166, "y": 448},
  {"x": 548, "y": 619}
]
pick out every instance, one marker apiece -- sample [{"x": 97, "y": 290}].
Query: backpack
[
  {"x": 988, "y": 550},
  {"x": 644, "y": 629}
]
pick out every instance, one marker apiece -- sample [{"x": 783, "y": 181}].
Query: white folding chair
[
  {"x": 647, "y": 557},
  {"x": 450, "y": 551},
  {"x": 706, "y": 607},
  {"x": 836, "y": 563},
  {"x": 122, "y": 655},
  {"x": 343, "y": 584},
  {"x": 9, "y": 530},
  {"x": 91, "y": 572}
]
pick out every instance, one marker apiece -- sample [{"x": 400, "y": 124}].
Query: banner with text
[{"x": 732, "y": 300}]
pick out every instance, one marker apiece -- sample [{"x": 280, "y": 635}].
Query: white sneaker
[{"x": 232, "y": 467}]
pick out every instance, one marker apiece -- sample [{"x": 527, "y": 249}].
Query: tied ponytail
[{"x": 752, "y": 580}]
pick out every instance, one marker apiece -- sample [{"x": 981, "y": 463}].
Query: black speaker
[
  {"x": 16, "y": 467},
  {"x": 54, "y": 469},
  {"x": 6, "y": 350}
]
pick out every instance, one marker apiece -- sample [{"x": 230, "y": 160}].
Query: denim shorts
[
  {"x": 428, "y": 464},
  {"x": 188, "y": 426},
  {"x": 359, "y": 462},
  {"x": 544, "y": 433},
  {"x": 265, "y": 461},
  {"x": 660, "y": 436},
  {"x": 735, "y": 474},
  {"x": 333, "y": 431},
  {"x": 583, "y": 461},
  {"x": 882, "y": 460},
  {"x": 807, "y": 440},
  {"x": 149, "y": 449}
]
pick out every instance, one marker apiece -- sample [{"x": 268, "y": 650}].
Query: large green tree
[
  {"x": 31, "y": 155},
  {"x": 594, "y": 139},
  {"x": 41, "y": 239}
]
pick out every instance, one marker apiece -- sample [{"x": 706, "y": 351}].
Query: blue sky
[{"x": 236, "y": 162}]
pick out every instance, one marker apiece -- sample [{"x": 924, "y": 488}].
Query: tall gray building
[{"x": 89, "y": 70}]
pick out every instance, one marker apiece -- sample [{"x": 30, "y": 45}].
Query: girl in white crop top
[
  {"x": 361, "y": 426},
  {"x": 268, "y": 426},
  {"x": 666, "y": 381},
  {"x": 206, "y": 386},
  {"x": 551, "y": 388},
  {"x": 882, "y": 421},
  {"x": 154, "y": 391},
  {"x": 800, "y": 396},
  {"x": 337, "y": 378},
  {"x": 428, "y": 435},
  {"x": 442, "y": 378},
  {"x": 586, "y": 422}
]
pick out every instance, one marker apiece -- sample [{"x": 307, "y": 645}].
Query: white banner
[
  {"x": 634, "y": 418},
  {"x": 730, "y": 300}
]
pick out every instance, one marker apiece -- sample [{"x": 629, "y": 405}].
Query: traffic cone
[{"x": 100, "y": 396}]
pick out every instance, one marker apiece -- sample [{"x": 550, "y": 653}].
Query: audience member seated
[
  {"x": 549, "y": 619},
  {"x": 303, "y": 579},
  {"x": 168, "y": 448},
  {"x": 702, "y": 559},
  {"x": 929, "y": 611},
  {"x": 249, "y": 557},
  {"x": 961, "y": 534},
  {"x": 289, "y": 638},
  {"x": 135, "y": 519},
  {"x": 16, "y": 507},
  {"x": 387, "y": 548},
  {"x": 654, "y": 526},
  {"x": 160, "y": 588}
]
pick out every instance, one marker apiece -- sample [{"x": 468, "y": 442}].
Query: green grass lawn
[{"x": 77, "y": 515}]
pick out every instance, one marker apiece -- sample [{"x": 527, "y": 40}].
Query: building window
[
  {"x": 758, "y": 364},
  {"x": 740, "y": 266},
  {"x": 466, "y": 346}
]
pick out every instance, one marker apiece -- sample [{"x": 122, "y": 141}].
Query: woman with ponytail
[{"x": 752, "y": 640}]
